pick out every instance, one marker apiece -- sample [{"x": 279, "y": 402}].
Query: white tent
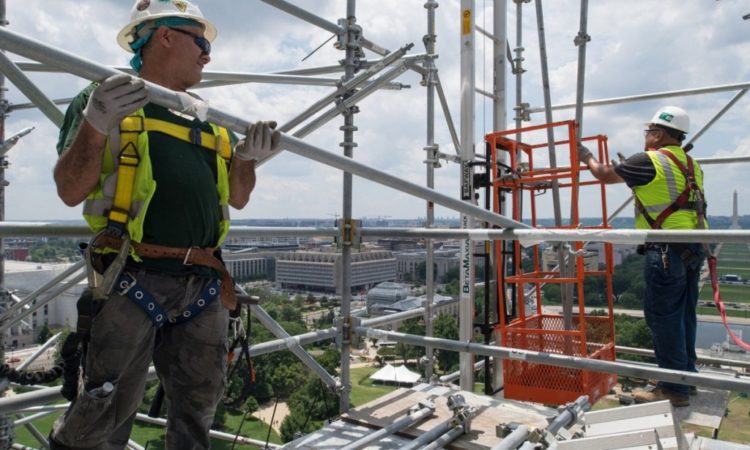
[{"x": 395, "y": 375}]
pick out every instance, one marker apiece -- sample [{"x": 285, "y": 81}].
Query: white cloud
[{"x": 691, "y": 45}]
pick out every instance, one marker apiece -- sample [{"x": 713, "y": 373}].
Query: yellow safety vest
[
  {"x": 662, "y": 192},
  {"x": 126, "y": 184}
]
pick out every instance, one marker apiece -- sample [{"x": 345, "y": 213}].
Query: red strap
[
  {"x": 720, "y": 304},
  {"x": 686, "y": 171}
]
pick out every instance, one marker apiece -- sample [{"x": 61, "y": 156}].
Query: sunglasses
[
  {"x": 202, "y": 43},
  {"x": 649, "y": 130}
]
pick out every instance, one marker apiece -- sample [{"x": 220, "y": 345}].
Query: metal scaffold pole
[
  {"x": 563, "y": 260},
  {"x": 350, "y": 37},
  {"x": 499, "y": 120},
  {"x": 431, "y": 161},
  {"x": 466, "y": 303},
  {"x": 6, "y": 428}
]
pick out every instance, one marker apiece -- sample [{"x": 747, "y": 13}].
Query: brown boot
[{"x": 659, "y": 394}]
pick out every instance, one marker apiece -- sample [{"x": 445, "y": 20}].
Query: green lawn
[
  {"x": 154, "y": 435},
  {"x": 363, "y": 390},
  {"x": 729, "y": 293}
]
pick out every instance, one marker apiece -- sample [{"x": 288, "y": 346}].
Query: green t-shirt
[{"x": 185, "y": 210}]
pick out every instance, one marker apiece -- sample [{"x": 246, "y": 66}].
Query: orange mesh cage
[{"x": 521, "y": 182}]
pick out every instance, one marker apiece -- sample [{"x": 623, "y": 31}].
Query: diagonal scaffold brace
[{"x": 85, "y": 68}]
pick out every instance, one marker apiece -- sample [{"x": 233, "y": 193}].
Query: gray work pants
[{"x": 190, "y": 359}]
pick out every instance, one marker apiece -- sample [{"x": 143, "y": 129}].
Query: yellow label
[{"x": 466, "y": 22}]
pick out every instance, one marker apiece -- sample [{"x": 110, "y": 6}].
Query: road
[{"x": 639, "y": 313}]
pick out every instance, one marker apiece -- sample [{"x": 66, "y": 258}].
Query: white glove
[
  {"x": 260, "y": 142},
  {"x": 113, "y": 100},
  {"x": 583, "y": 153}
]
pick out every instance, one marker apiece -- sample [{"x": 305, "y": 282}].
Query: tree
[
  {"x": 452, "y": 274},
  {"x": 44, "y": 335},
  {"x": 296, "y": 422},
  {"x": 290, "y": 313},
  {"x": 446, "y": 327},
  {"x": 406, "y": 351},
  {"x": 551, "y": 293}
]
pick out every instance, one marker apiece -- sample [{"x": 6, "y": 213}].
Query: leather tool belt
[{"x": 189, "y": 256}]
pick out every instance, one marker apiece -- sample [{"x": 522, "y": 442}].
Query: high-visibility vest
[
  {"x": 126, "y": 184},
  {"x": 662, "y": 193}
]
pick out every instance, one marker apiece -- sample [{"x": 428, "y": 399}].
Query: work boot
[
  {"x": 659, "y": 394},
  {"x": 693, "y": 389}
]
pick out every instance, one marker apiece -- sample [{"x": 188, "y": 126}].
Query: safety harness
[
  {"x": 682, "y": 201},
  {"x": 115, "y": 234},
  {"x": 699, "y": 206}
]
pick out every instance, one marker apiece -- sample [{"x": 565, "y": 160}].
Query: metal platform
[{"x": 646, "y": 426}]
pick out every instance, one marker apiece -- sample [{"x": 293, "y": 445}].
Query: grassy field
[
  {"x": 731, "y": 293},
  {"x": 154, "y": 435},
  {"x": 363, "y": 390}
]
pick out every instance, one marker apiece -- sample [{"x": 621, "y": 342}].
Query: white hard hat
[
  {"x": 672, "y": 117},
  {"x": 145, "y": 10}
]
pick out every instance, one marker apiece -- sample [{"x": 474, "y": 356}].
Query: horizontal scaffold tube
[
  {"x": 531, "y": 236},
  {"x": 405, "y": 422},
  {"x": 573, "y": 362},
  {"x": 285, "y": 344},
  {"x": 33, "y": 49},
  {"x": 535, "y": 236}
]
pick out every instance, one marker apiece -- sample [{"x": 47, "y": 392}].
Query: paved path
[{"x": 265, "y": 412}]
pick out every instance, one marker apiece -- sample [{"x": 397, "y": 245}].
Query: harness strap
[
  {"x": 128, "y": 286},
  {"x": 128, "y": 163},
  {"x": 130, "y": 129},
  {"x": 189, "y": 256},
  {"x": 690, "y": 185}
]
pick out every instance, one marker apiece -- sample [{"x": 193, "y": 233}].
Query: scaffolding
[{"x": 361, "y": 79}]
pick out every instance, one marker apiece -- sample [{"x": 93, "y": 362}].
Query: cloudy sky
[{"x": 636, "y": 47}]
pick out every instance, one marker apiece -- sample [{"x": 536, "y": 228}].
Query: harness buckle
[
  {"x": 124, "y": 286},
  {"x": 132, "y": 124},
  {"x": 195, "y": 136},
  {"x": 186, "y": 260}
]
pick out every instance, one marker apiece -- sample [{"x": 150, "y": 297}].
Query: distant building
[
  {"x": 399, "y": 245},
  {"x": 550, "y": 260},
  {"x": 322, "y": 271},
  {"x": 410, "y": 262},
  {"x": 26, "y": 277},
  {"x": 386, "y": 293},
  {"x": 441, "y": 305},
  {"x": 619, "y": 251},
  {"x": 250, "y": 265}
]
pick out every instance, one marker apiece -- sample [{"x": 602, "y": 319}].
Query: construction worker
[
  {"x": 668, "y": 189},
  {"x": 157, "y": 184}
]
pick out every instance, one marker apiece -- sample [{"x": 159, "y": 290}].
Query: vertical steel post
[
  {"x": 7, "y": 433},
  {"x": 4, "y": 294},
  {"x": 499, "y": 120},
  {"x": 580, "y": 41},
  {"x": 3, "y": 162},
  {"x": 562, "y": 257},
  {"x": 431, "y": 161},
  {"x": 352, "y": 48},
  {"x": 466, "y": 299}
]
